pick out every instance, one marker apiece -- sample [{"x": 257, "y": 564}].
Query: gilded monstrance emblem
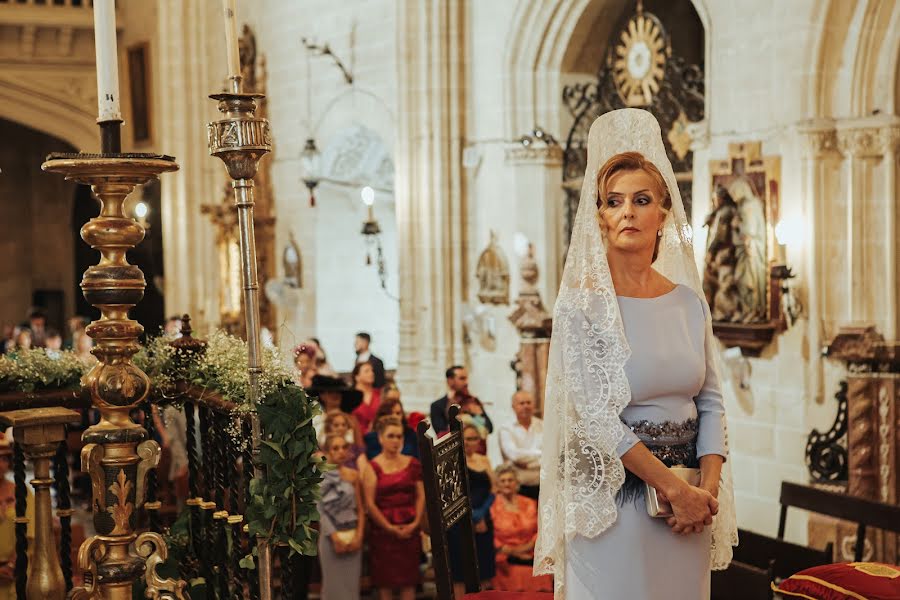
[{"x": 640, "y": 59}]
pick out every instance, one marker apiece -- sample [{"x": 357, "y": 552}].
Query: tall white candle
[
  {"x": 231, "y": 39},
  {"x": 107, "y": 60}
]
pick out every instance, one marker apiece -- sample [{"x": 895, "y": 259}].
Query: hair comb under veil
[{"x": 587, "y": 389}]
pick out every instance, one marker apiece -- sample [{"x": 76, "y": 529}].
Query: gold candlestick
[
  {"x": 241, "y": 139},
  {"x": 118, "y": 453},
  {"x": 39, "y": 431}
]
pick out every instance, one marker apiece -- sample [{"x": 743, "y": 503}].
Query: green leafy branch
[{"x": 283, "y": 504}]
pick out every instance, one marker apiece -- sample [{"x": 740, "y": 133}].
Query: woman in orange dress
[{"x": 515, "y": 531}]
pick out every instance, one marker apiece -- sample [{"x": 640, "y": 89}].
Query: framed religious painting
[{"x": 743, "y": 268}]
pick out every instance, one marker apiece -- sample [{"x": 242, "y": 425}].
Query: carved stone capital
[
  {"x": 860, "y": 143},
  {"x": 534, "y": 154},
  {"x": 820, "y": 142},
  {"x": 889, "y": 139}
]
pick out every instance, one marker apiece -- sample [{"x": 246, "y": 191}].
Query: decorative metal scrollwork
[
  {"x": 91, "y": 552},
  {"x": 678, "y": 102},
  {"x": 826, "y": 457},
  {"x": 151, "y": 547}
]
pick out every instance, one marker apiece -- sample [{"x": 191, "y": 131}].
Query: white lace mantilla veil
[{"x": 586, "y": 384}]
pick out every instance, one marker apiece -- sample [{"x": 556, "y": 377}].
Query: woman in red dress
[
  {"x": 364, "y": 381},
  {"x": 395, "y": 498},
  {"x": 515, "y": 531}
]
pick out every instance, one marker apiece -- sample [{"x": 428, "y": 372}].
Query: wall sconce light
[
  {"x": 310, "y": 168},
  {"x": 371, "y": 231},
  {"x": 788, "y": 232},
  {"x": 370, "y": 228}
]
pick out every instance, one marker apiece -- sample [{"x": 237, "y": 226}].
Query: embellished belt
[{"x": 672, "y": 443}]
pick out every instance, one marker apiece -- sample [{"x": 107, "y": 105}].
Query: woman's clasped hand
[{"x": 693, "y": 508}]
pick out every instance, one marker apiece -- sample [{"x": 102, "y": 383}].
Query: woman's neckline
[{"x": 672, "y": 291}]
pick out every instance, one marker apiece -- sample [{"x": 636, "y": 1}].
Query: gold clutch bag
[
  {"x": 660, "y": 508},
  {"x": 346, "y": 535}
]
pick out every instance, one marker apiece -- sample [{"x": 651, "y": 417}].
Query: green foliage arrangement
[
  {"x": 283, "y": 502},
  {"x": 35, "y": 370}
]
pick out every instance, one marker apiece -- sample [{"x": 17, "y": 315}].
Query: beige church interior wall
[{"x": 309, "y": 98}]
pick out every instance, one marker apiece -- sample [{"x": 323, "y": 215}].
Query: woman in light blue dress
[{"x": 632, "y": 389}]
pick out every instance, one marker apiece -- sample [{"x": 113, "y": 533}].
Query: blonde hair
[{"x": 631, "y": 161}]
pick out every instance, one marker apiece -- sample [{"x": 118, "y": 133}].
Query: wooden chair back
[
  {"x": 865, "y": 513},
  {"x": 741, "y": 581},
  {"x": 446, "y": 482},
  {"x": 785, "y": 558}
]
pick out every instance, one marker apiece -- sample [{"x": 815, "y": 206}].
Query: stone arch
[
  {"x": 856, "y": 59},
  {"x": 49, "y": 113},
  {"x": 538, "y": 41}
]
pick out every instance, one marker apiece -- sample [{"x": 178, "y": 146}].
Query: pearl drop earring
[{"x": 659, "y": 233}]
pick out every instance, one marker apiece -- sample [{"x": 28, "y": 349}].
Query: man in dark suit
[
  {"x": 457, "y": 393},
  {"x": 363, "y": 340}
]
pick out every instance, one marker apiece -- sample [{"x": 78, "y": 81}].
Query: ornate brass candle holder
[
  {"x": 118, "y": 453},
  {"x": 241, "y": 139}
]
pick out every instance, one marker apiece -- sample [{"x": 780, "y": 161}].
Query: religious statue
[
  {"x": 492, "y": 272},
  {"x": 735, "y": 274}
]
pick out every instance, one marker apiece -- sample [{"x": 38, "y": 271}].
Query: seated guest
[
  {"x": 333, "y": 394},
  {"x": 392, "y": 407},
  {"x": 341, "y": 424},
  {"x": 395, "y": 498},
  {"x": 481, "y": 488},
  {"x": 520, "y": 444},
  {"x": 364, "y": 381},
  {"x": 515, "y": 531},
  {"x": 342, "y": 522}
]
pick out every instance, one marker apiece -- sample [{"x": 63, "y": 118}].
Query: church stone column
[
  {"x": 430, "y": 193},
  {"x": 537, "y": 177},
  {"x": 819, "y": 143},
  {"x": 191, "y": 63},
  {"x": 869, "y": 148}
]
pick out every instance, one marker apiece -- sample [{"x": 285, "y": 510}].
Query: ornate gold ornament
[
  {"x": 640, "y": 59},
  {"x": 680, "y": 136}
]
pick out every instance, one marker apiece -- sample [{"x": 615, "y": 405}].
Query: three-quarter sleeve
[
  {"x": 710, "y": 403},
  {"x": 628, "y": 442}
]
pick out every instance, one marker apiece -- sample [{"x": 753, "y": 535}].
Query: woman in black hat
[{"x": 333, "y": 394}]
